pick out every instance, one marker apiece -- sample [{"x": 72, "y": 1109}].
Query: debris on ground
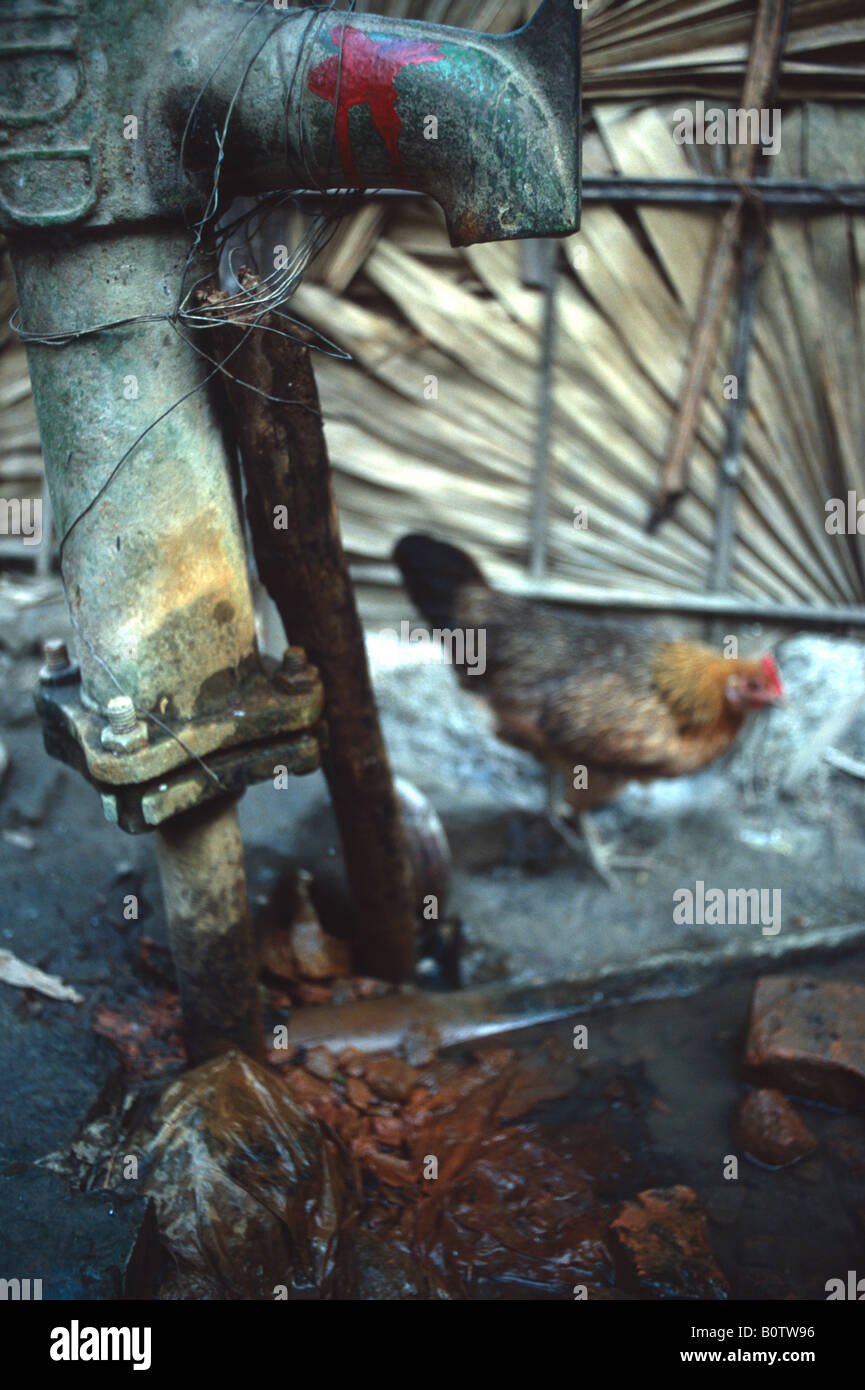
[
  {"x": 450, "y": 1179},
  {"x": 663, "y": 1235},
  {"x": 497, "y": 1170},
  {"x": 769, "y": 1130},
  {"x": 318, "y": 956},
  {"x": 292, "y": 942},
  {"x": 154, "y": 962},
  {"x": 390, "y": 1078},
  {"x": 23, "y": 976},
  {"x": 807, "y": 1038},
  {"x": 371, "y": 1270},
  {"x": 148, "y": 1037},
  {"x": 20, "y": 839}
]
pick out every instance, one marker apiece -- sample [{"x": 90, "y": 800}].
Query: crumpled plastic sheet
[{"x": 255, "y": 1201}]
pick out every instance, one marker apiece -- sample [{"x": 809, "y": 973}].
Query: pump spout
[{"x": 488, "y": 125}]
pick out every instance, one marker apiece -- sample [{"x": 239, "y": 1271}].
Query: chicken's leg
[{"x": 583, "y": 838}]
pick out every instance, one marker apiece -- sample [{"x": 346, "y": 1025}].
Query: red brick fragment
[
  {"x": 807, "y": 1038},
  {"x": 389, "y": 1129},
  {"x": 358, "y": 1093},
  {"x": 390, "y": 1078},
  {"x": 318, "y": 956},
  {"x": 664, "y": 1240},
  {"x": 352, "y": 1061},
  {"x": 320, "y": 1062}
]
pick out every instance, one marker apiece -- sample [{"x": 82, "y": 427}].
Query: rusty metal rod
[
  {"x": 796, "y": 196},
  {"x": 295, "y": 532},
  {"x": 200, "y": 858},
  {"x": 781, "y": 195},
  {"x": 818, "y": 616},
  {"x": 470, "y": 1015}
]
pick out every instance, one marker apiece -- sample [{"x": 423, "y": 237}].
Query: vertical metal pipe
[
  {"x": 154, "y": 565},
  {"x": 540, "y": 270},
  {"x": 204, "y": 887},
  {"x": 730, "y": 462}
]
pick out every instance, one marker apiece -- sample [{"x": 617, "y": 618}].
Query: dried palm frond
[{"x": 434, "y": 423}]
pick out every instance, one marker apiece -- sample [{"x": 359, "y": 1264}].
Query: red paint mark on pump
[{"x": 365, "y": 76}]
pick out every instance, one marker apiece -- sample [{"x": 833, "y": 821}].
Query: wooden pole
[
  {"x": 767, "y": 46},
  {"x": 296, "y": 538}
]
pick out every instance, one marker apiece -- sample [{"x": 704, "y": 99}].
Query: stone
[
  {"x": 389, "y": 1129},
  {"x": 292, "y": 942},
  {"x": 352, "y": 1061},
  {"x": 769, "y": 1130}
]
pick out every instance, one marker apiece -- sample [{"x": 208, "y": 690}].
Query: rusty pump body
[{"x": 124, "y": 129}]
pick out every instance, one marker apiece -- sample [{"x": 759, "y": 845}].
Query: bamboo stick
[{"x": 765, "y": 54}]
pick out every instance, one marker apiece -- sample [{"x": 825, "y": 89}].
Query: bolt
[
  {"x": 121, "y": 714},
  {"x": 57, "y": 668},
  {"x": 295, "y": 676},
  {"x": 56, "y": 655},
  {"x": 293, "y": 660},
  {"x": 124, "y": 732}
]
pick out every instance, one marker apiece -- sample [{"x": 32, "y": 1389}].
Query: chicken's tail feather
[{"x": 434, "y": 572}]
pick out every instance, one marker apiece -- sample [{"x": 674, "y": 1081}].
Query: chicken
[{"x": 599, "y": 702}]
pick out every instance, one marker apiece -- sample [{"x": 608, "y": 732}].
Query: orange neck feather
[{"x": 692, "y": 680}]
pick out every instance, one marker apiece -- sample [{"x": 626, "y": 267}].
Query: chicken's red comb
[{"x": 773, "y": 674}]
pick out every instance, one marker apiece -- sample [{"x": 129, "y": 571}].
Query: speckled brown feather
[
  {"x": 624, "y": 699},
  {"x": 585, "y": 692}
]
